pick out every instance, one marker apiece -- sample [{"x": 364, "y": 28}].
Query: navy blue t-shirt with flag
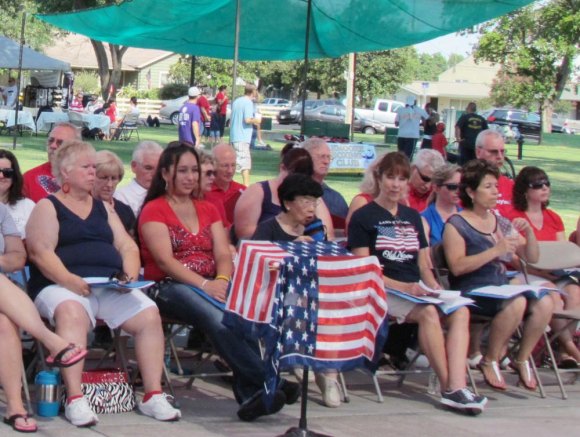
[{"x": 394, "y": 240}]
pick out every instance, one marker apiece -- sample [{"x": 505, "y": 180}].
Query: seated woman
[
  {"x": 444, "y": 201},
  {"x": 207, "y": 178},
  {"x": 17, "y": 311},
  {"x": 185, "y": 247},
  {"x": 477, "y": 243},
  {"x": 260, "y": 201},
  {"x": 367, "y": 190},
  {"x": 71, "y": 237},
  {"x": 110, "y": 171},
  {"x": 394, "y": 233},
  {"x": 531, "y": 196},
  {"x": 299, "y": 195},
  {"x": 11, "y": 182}
]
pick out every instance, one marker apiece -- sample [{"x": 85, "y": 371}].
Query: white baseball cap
[{"x": 193, "y": 92}]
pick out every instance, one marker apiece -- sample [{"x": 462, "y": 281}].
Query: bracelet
[
  {"x": 224, "y": 277},
  {"x": 205, "y": 281}
]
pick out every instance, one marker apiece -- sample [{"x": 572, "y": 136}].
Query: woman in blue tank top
[{"x": 71, "y": 238}]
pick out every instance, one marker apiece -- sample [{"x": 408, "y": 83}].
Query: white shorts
[
  {"x": 243, "y": 156},
  {"x": 399, "y": 308},
  {"x": 112, "y": 307}
]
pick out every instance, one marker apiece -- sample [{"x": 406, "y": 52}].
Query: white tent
[{"x": 31, "y": 60}]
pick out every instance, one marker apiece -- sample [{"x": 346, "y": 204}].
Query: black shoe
[
  {"x": 255, "y": 406},
  {"x": 292, "y": 391}
]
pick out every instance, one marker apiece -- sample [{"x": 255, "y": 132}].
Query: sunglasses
[
  {"x": 54, "y": 140},
  {"x": 539, "y": 184},
  {"x": 450, "y": 187},
  {"x": 210, "y": 173},
  {"x": 7, "y": 172},
  {"x": 424, "y": 178}
]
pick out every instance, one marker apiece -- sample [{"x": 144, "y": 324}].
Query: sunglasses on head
[
  {"x": 210, "y": 173},
  {"x": 424, "y": 178},
  {"x": 7, "y": 172},
  {"x": 450, "y": 187},
  {"x": 539, "y": 184}
]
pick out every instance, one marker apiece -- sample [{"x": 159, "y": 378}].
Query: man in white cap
[
  {"x": 408, "y": 120},
  {"x": 190, "y": 119}
]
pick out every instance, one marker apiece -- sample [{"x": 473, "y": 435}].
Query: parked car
[
  {"x": 384, "y": 111},
  {"x": 560, "y": 125},
  {"x": 337, "y": 113},
  {"x": 170, "y": 109},
  {"x": 528, "y": 123},
  {"x": 271, "y": 101},
  {"x": 292, "y": 115}
]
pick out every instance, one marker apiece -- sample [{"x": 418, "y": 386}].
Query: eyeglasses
[
  {"x": 306, "y": 201},
  {"x": 424, "y": 178},
  {"x": 51, "y": 140},
  {"x": 113, "y": 179},
  {"x": 450, "y": 187},
  {"x": 7, "y": 172},
  {"x": 210, "y": 173},
  {"x": 539, "y": 184},
  {"x": 495, "y": 151}
]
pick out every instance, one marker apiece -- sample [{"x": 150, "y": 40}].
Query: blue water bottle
[{"x": 47, "y": 393}]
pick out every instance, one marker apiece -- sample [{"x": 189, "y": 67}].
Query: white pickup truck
[{"x": 384, "y": 111}]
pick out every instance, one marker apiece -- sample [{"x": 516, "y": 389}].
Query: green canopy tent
[{"x": 276, "y": 29}]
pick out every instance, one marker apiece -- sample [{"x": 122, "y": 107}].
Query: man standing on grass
[
  {"x": 241, "y": 128},
  {"x": 190, "y": 119},
  {"x": 39, "y": 181}
]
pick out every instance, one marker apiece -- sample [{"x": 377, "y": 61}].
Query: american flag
[
  {"x": 312, "y": 303},
  {"x": 397, "y": 237}
]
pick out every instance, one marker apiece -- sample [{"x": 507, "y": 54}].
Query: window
[
  {"x": 163, "y": 78},
  {"x": 383, "y": 106}
]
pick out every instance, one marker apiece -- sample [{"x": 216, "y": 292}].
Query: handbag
[{"x": 108, "y": 391}]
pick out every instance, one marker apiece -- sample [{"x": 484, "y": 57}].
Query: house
[
  {"x": 143, "y": 69},
  {"x": 455, "y": 88}
]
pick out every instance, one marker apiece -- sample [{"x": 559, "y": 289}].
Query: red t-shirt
[
  {"x": 194, "y": 251},
  {"x": 202, "y": 102},
  {"x": 550, "y": 228},
  {"x": 227, "y": 198},
  {"x": 224, "y": 106},
  {"x": 439, "y": 142},
  {"x": 111, "y": 112},
  {"x": 416, "y": 200},
  {"x": 39, "y": 182},
  {"x": 504, "y": 198}
]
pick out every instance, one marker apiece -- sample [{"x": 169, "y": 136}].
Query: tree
[
  {"x": 537, "y": 44},
  {"x": 429, "y": 67},
  {"x": 36, "y": 32},
  {"x": 512, "y": 90}
]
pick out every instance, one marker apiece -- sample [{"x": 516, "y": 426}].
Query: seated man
[
  {"x": 39, "y": 181},
  {"x": 224, "y": 189},
  {"x": 420, "y": 183},
  {"x": 143, "y": 164}
]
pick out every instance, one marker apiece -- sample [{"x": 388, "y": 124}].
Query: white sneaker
[
  {"x": 79, "y": 413},
  {"x": 159, "y": 408},
  {"x": 330, "y": 388}
]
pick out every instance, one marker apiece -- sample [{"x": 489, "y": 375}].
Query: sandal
[
  {"x": 57, "y": 360},
  {"x": 12, "y": 421},
  {"x": 497, "y": 383},
  {"x": 522, "y": 368}
]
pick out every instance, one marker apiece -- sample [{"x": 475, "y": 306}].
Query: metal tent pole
[
  {"x": 305, "y": 69},
  {"x": 15, "y": 131}
]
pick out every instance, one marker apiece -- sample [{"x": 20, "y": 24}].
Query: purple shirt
[{"x": 188, "y": 114}]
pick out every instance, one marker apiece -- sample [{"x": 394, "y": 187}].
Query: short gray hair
[
  {"x": 312, "y": 144},
  {"x": 206, "y": 158},
  {"x": 484, "y": 134},
  {"x": 145, "y": 147},
  {"x": 67, "y": 154},
  {"x": 109, "y": 162},
  {"x": 70, "y": 126},
  {"x": 428, "y": 157}
]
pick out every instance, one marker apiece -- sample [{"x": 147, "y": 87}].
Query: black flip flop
[
  {"x": 58, "y": 362},
  {"x": 11, "y": 421}
]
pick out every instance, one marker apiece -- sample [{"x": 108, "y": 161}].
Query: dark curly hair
[
  {"x": 472, "y": 174},
  {"x": 169, "y": 159},
  {"x": 297, "y": 185},
  {"x": 527, "y": 175},
  {"x": 15, "y": 191}
]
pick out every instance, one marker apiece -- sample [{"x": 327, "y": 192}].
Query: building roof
[{"x": 78, "y": 51}]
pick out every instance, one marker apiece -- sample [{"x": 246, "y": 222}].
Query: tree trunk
[
  {"x": 547, "y": 112},
  {"x": 102, "y": 66},
  {"x": 117, "y": 53}
]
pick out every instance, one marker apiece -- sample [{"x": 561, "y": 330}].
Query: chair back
[
  {"x": 557, "y": 255},
  {"x": 131, "y": 119},
  {"x": 440, "y": 266}
]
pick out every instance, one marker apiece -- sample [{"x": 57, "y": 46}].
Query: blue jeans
[{"x": 178, "y": 301}]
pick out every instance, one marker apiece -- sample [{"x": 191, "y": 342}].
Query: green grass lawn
[{"x": 559, "y": 156}]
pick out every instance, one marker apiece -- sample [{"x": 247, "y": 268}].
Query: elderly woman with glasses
[
  {"x": 444, "y": 201},
  {"x": 477, "y": 244},
  {"x": 531, "y": 196},
  {"x": 426, "y": 162}
]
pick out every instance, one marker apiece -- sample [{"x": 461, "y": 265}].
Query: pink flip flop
[
  {"x": 57, "y": 361},
  {"x": 28, "y": 427}
]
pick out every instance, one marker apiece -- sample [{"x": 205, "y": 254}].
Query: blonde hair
[
  {"x": 67, "y": 154},
  {"x": 108, "y": 162}
]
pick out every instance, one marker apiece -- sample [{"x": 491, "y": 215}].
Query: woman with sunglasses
[
  {"x": 421, "y": 180},
  {"x": 208, "y": 174},
  {"x": 11, "y": 182},
  {"x": 444, "y": 201},
  {"x": 531, "y": 195}
]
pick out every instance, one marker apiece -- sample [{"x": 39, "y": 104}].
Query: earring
[{"x": 65, "y": 187}]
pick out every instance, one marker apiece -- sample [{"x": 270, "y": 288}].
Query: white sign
[{"x": 351, "y": 157}]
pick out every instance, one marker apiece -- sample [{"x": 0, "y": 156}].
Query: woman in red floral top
[{"x": 184, "y": 246}]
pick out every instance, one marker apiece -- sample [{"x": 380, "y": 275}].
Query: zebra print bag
[{"x": 108, "y": 391}]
